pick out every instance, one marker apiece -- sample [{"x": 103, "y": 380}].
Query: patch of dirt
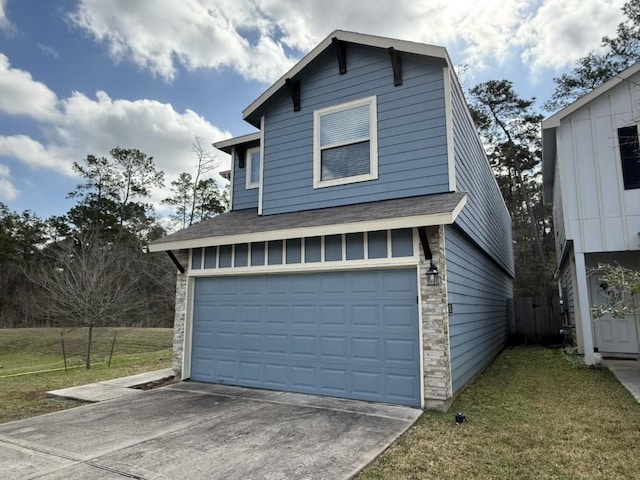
[{"x": 157, "y": 383}]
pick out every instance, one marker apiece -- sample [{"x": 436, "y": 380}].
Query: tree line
[
  {"x": 510, "y": 127},
  {"x": 87, "y": 267}
]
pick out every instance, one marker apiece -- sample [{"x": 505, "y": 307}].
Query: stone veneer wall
[
  {"x": 180, "y": 313},
  {"x": 435, "y": 326}
]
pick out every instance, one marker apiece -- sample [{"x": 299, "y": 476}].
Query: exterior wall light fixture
[{"x": 432, "y": 275}]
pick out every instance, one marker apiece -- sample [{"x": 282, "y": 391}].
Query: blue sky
[{"x": 80, "y": 77}]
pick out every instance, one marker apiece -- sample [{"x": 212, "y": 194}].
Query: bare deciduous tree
[{"x": 86, "y": 281}]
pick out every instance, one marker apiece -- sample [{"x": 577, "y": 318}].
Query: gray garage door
[{"x": 342, "y": 334}]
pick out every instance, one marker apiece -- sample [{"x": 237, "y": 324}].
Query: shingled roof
[{"x": 247, "y": 226}]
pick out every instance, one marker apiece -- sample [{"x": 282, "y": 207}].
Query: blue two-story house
[{"x": 367, "y": 253}]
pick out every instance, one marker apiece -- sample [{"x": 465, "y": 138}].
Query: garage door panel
[
  {"x": 357, "y": 341},
  {"x": 366, "y": 349},
  {"x": 304, "y": 314},
  {"x": 332, "y": 315},
  {"x": 303, "y": 378},
  {"x": 333, "y": 348},
  {"x": 333, "y": 381},
  {"x": 365, "y": 316},
  {"x": 276, "y": 375},
  {"x": 398, "y": 316}
]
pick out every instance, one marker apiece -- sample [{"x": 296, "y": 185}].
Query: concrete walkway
[
  {"x": 628, "y": 373},
  {"x": 110, "y": 389}
]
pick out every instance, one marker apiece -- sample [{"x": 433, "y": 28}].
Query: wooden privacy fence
[{"x": 537, "y": 319}]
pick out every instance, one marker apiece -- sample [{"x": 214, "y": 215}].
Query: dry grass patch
[
  {"x": 532, "y": 414},
  {"x": 137, "y": 350}
]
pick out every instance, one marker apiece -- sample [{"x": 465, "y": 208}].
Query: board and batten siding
[
  {"x": 242, "y": 198},
  {"x": 412, "y": 143},
  {"x": 478, "y": 291},
  {"x": 600, "y": 214},
  {"x": 485, "y": 218}
]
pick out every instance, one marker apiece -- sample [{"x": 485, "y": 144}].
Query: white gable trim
[
  {"x": 554, "y": 120},
  {"x": 261, "y": 179},
  {"x": 448, "y": 117},
  {"x": 351, "y": 37}
]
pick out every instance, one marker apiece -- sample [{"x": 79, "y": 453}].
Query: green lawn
[
  {"x": 533, "y": 414},
  {"x": 136, "y": 350}
]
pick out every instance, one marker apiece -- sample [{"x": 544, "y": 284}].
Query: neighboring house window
[
  {"x": 253, "y": 167},
  {"x": 345, "y": 143},
  {"x": 630, "y": 156}
]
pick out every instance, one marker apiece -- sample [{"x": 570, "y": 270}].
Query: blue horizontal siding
[
  {"x": 242, "y": 198},
  {"x": 484, "y": 218},
  {"x": 412, "y": 143},
  {"x": 478, "y": 290}
]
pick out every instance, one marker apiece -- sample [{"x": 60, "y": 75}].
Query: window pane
[
  {"x": 210, "y": 254},
  {"x": 630, "y": 156},
  {"x": 346, "y": 161},
  {"x": 378, "y": 244},
  {"x": 196, "y": 258},
  {"x": 255, "y": 167},
  {"x": 355, "y": 246},
  {"x": 242, "y": 255},
  {"x": 344, "y": 125}
]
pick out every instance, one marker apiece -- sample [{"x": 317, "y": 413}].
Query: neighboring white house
[{"x": 591, "y": 170}]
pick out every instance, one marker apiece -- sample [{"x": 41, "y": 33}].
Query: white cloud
[
  {"x": 79, "y": 125},
  {"x": 7, "y": 190},
  {"x": 36, "y": 155},
  {"x": 194, "y": 33},
  {"x": 4, "y": 21},
  {"x": 563, "y": 30},
  {"x": 22, "y": 95},
  {"x": 253, "y": 36},
  {"x": 47, "y": 50}
]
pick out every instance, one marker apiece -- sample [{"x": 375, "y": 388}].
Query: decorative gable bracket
[
  {"x": 396, "y": 64},
  {"x": 175, "y": 261},
  {"x": 424, "y": 241},
  {"x": 294, "y": 90},
  {"x": 341, "y": 54},
  {"x": 241, "y": 153}
]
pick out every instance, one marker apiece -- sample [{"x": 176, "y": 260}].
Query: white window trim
[
  {"x": 373, "y": 143},
  {"x": 249, "y": 167}
]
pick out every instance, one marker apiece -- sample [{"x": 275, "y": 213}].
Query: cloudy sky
[{"x": 80, "y": 77}]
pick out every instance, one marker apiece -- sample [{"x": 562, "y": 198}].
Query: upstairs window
[
  {"x": 253, "y": 167},
  {"x": 629, "y": 156},
  {"x": 345, "y": 143}
]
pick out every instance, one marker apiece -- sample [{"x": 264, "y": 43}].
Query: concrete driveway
[{"x": 194, "y": 430}]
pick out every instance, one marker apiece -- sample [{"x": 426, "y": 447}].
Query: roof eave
[
  {"x": 228, "y": 144},
  {"x": 442, "y": 218}
]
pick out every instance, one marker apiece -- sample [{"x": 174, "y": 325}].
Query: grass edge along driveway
[{"x": 532, "y": 414}]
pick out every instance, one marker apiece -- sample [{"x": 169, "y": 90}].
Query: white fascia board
[
  {"x": 299, "y": 232},
  {"x": 351, "y": 37},
  {"x": 554, "y": 120},
  {"x": 226, "y": 145}
]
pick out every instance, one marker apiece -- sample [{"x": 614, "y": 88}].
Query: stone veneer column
[
  {"x": 180, "y": 314},
  {"x": 435, "y": 325}
]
